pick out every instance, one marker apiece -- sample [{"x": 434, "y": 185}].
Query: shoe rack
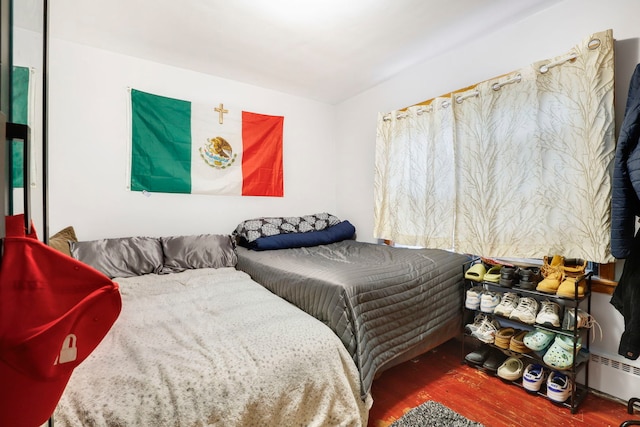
[{"x": 578, "y": 373}]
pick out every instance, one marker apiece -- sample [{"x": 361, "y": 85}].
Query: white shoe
[
  {"x": 559, "y": 387},
  {"x": 472, "y": 301},
  {"x": 526, "y": 311},
  {"x": 507, "y": 304},
  {"x": 511, "y": 369},
  {"x": 489, "y": 301},
  {"x": 486, "y": 331},
  {"x": 585, "y": 320},
  {"x": 477, "y": 321},
  {"x": 533, "y": 377},
  {"x": 549, "y": 314}
]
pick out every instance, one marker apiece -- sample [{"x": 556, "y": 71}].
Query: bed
[
  {"x": 198, "y": 343},
  {"x": 387, "y": 304}
]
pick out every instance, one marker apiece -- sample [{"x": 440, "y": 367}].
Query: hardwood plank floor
[{"x": 439, "y": 375}]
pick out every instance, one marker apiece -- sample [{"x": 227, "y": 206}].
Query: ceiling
[{"x": 326, "y": 50}]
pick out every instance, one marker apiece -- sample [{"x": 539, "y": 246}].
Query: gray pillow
[
  {"x": 120, "y": 257},
  {"x": 200, "y": 251}
]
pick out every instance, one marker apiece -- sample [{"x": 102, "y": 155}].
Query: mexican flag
[
  {"x": 21, "y": 110},
  {"x": 182, "y": 147}
]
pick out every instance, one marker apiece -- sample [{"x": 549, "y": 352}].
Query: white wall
[
  {"x": 88, "y": 143},
  {"x": 549, "y": 33}
]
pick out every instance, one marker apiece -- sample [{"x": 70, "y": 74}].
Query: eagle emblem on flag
[{"x": 218, "y": 153}]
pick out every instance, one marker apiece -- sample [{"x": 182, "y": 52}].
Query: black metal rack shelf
[{"x": 580, "y": 367}]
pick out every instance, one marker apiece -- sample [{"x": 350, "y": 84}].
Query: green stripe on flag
[
  {"x": 160, "y": 143},
  {"x": 19, "y": 115}
]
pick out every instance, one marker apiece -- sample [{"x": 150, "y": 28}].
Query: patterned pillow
[{"x": 248, "y": 231}]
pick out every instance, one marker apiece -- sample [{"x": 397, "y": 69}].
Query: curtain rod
[{"x": 593, "y": 44}]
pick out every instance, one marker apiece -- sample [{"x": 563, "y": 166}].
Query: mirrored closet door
[{"x": 26, "y": 176}]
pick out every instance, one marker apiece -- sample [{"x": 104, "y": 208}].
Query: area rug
[{"x": 433, "y": 414}]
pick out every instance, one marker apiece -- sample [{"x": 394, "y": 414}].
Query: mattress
[
  {"x": 210, "y": 347},
  {"x": 382, "y": 302}
]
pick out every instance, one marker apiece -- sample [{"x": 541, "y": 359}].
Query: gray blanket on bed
[{"x": 381, "y": 301}]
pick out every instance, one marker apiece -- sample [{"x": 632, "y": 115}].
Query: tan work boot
[
  {"x": 572, "y": 286},
  {"x": 553, "y": 273}
]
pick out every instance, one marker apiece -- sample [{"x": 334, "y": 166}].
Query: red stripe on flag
[{"x": 262, "y": 172}]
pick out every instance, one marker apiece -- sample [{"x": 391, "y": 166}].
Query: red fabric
[
  {"x": 48, "y": 302},
  {"x": 262, "y": 172}
]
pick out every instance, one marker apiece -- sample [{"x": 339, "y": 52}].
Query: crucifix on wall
[{"x": 221, "y": 111}]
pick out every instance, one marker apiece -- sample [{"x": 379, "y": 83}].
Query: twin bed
[
  {"x": 386, "y": 304},
  {"x": 214, "y": 334}
]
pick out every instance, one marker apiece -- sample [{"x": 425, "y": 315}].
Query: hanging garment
[
  {"x": 626, "y": 299},
  {"x": 625, "y": 200},
  {"x": 54, "y": 311}
]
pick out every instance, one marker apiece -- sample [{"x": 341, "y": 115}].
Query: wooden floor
[{"x": 439, "y": 375}]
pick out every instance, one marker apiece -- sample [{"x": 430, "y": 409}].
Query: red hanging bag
[{"x": 54, "y": 311}]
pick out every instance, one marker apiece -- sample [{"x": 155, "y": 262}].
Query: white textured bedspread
[{"x": 211, "y": 347}]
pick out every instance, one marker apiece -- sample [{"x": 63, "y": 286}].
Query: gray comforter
[{"x": 382, "y": 302}]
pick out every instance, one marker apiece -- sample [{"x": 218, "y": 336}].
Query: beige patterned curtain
[{"x": 517, "y": 166}]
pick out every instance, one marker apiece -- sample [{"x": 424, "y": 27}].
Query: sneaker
[
  {"x": 526, "y": 311},
  {"x": 489, "y": 301},
  {"x": 533, "y": 377},
  {"x": 559, "y": 387},
  {"x": 511, "y": 369},
  {"x": 553, "y": 274},
  {"x": 507, "y": 304},
  {"x": 470, "y": 328},
  {"x": 585, "y": 320},
  {"x": 549, "y": 314},
  {"x": 472, "y": 302},
  {"x": 486, "y": 331}
]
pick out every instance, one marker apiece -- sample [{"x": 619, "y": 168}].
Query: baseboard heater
[{"x": 613, "y": 377}]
